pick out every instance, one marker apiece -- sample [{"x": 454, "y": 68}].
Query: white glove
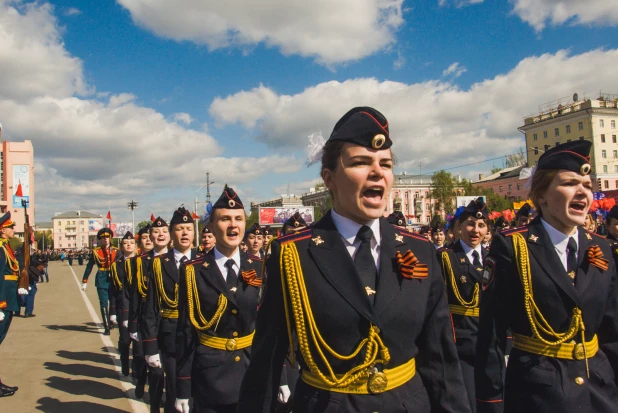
[
  {"x": 284, "y": 394},
  {"x": 1, "y": 316},
  {"x": 153, "y": 361},
  {"x": 182, "y": 405},
  {"x": 113, "y": 319},
  {"x": 22, "y": 291},
  {"x": 134, "y": 336},
  {"x": 84, "y": 285},
  {"x": 125, "y": 324},
  {"x": 29, "y": 288}
]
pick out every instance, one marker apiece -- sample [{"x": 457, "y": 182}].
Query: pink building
[{"x": 505, "y": 183}]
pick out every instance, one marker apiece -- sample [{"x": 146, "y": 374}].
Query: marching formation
[{"x": 355, "y": 313}]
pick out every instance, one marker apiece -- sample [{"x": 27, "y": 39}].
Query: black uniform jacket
[
  {"x": 118, "y": 299},
  {"x": 467, "y": 276},
  {"x": 210, "y": 375},
  {"x": 143, "y": 261},
  {"x": 536, "y": 383},
  {"x": 158, "y": 332},
  {"x": 412, "y": 315}
]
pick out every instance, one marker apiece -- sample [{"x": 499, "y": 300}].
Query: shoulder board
[
  {"x": 517, "y": 230},
  {"x": 143, "y": 254},
  {"x": 297, "y": 236},
  {"x": 254, "y": 258},
  {"x": 96, "y": 249},
  {"x": 114, "y": 248},
  {"x": 197, "y": 260},
  {"x": 597, "y": 235},
  {"x": 411, "y": 235},
  {"x": 443, "y": 249}
]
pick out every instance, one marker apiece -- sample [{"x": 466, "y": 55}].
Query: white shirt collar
[
  {"x": 468, "y": 250},
  {"x": 559, "y": 239},
  {"x": 178, "y": 256},
  {"x": 349, "y": 228},
  {"x": 222, "y": 259}
]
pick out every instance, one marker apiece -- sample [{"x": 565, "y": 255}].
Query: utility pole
[
  {"x": 207, "y": 186},
  {"x": 208, "y": 183},
  {"x": 132, "y": 206}
]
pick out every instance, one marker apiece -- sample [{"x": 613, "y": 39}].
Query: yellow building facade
[{"x": 567, "y": 120}]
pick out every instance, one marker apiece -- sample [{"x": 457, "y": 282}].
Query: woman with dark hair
[
  {"x": 554, "y": 285},
  {"x": 360, "y": 302}
]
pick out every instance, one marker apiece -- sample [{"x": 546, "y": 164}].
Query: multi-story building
[
  {"x": 17, "y": 181},
  {"x": 75, "y": 229},
  {"x": 506, "y": 183},
  {"x": 567, "y": 119},
  {"x": 284, "y": 201}
]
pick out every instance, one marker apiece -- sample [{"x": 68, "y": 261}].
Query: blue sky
[{"x": 137, "y": 99}]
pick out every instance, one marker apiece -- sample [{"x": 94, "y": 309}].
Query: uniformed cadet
[
  {"x": 293, "y": 224},
  {"x": 397, "y": 219},
  {"x": 554, "y": 285},
  {"x": 462, "y": 268},
  {"x": 523, "y": 215},
  {"x": 102, "y": 255},
  {"x": 268, "y": 235},
  {"x": 366, "y": 300},
  {"x": 612, "y": 226},
  {"x": 218, "y": 299},
  {"x": 9, "y": 273},
  {"x": 119, "y": 303},
  {"x": 207, "y": 241},
  {"x": 254, "y": 239},
  {"x": 438, "y": 236},
  {"x": 160, "y": 312},
  {"x": 501, "y": 225}
]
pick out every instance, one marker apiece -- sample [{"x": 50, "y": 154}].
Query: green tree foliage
[
  {"x": 39, "y": 236},
  {"x": 443, "y": 190},
  {"x": 495, "y": 202},
  {"x": 320, "y": 211},
  {"x": 141, "y": 225},
  {"x": 516, "y": 159},
  {"x": 253, "y": 218}
]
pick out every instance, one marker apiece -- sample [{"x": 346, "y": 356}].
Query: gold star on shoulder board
[
  {"x": 369, "y": 291},
  {"x": 205, "y": 265},
  {"x": 533, "y": 238},
  {"x": 463, "y": 279},
  {"x": 250, "y": 261},
  {"x": 398, "y": 237},
  {"x": 462, "y": 260},
  {"x": 588, "y": 236},
  {"x": 318, "y": 240}
]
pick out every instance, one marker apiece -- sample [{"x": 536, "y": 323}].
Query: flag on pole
[
  {"x": 152, "y": 218},
  {"x": 194, "y": 215},
  {"x": 19, "y": 191},
  {"x": 109, "y": 214}
]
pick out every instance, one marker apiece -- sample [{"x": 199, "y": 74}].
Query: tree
[
  {"x": 321, "y": 210},
  {"x": 495, "y": 202},
  {"x": 253, "y": 218},
  {"x": 516, "y": 159},
  {"x": 141, "y": 225},
  {"x": 443, "y": 190},
  {"x": 39, "y": 236},
  {"x": 495, "y": 169}
]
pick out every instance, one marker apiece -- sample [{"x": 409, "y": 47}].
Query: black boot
[
  {"x": 124, "y": 358},
  {"x": 105, "y": 319}
]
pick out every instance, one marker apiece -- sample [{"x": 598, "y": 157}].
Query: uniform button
[
  {"x": 235, "y": 334},
  {"x": 579, "y": 381},
  {"x": 237, "y": 358},
  {"x": 234, "y": 311}
]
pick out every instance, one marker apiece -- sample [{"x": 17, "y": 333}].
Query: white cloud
[
  {"x": 435, "y": 122},
  {"x": 455, "y": 69},
  {"x": 458, "y": 3},
  {"x": 400, "y": 62},
  {"x": 183, "y": 117},
  {"x": 539, "y": 13},
  {"x": 72, "y": 11},
  {"x": 331, "y": 31}
]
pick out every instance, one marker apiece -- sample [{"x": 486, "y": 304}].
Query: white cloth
[
  {"x": 284, "y": 394},
  {"x": 468, "y": 250},
  {"x": 22, "y": 291},
  {"x": 182, "y": 405},
  {"x": 113, "y": 319},
  {"x": 1, "y": 316},
  {"x": 154, "y": 360},
  {"x": 348, "y": 229},
  {"x": 125, "y": 323},
  {"x": 84, "y": 285},
  {"x": 560, "y": 241},
  {"x": 134, "y": 336},
  {"x": 222, "y": 259},
  {"x": 178, "y": 256}
]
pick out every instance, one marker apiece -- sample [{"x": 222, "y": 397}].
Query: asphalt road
[{"x": 59, "y": 359}]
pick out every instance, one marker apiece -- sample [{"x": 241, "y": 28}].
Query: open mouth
[
  {"x": 374, "y": 194},
  {"x": 578, "y": 206}
]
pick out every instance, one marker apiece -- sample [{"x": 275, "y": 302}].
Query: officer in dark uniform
[
  {"x": 254, "y": 240},
  {"x": 218, "y": 299},
  {"x": 462, "y": 269},
  {"x": 9, "y": 274},
  {"x": 523, "y": 215},
  {"x": 365, "y": 300},
  {"x": 501, "y": 225},
  {"x": 293, "y": 224},
  {"x": 119, "y": 303},
  {"x": 554, "y": 285},
  {"x": 102, "y": 255},
  {"x": 207, "y": 241},
  {"x": 612, "y": 226},
  {"x": 438, "y": 235},
  {"x": 397, "y": 219},
  {"x": 160, "y": 310}
]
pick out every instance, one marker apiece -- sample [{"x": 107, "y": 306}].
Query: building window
[
  {"x": 518, "y": 187},
  {"x": 581, "y": 138},
  {"x": 616, "y": 184},
  {"x": 536, "y": 150},
  {"x": 568, "y": 128},
  {"x": 557, "y": 132},
  {"x": 427, "y": 194},
  {"x": 580, "y": 126},
  {"x": 613, "y": 124},
  {"x": 615, "y": 153},
  {"x": 601, "y": 123},
  {"x": 60, "y": 245},
  {"x": 604, "y": 168},
  {"x": 557, "y": 143},
  {"x": 602, "y": 138},
  {"x": 546, "y": 148},
  {"x": 544, "y": 134},
  {"x": 60, "y": 238},
  {"x": 510, "y": 187},
  {"x": 500, "y": 188},
  {"x": 616, "y": 168},
  {"x": 606, "y": 184},
  {"x": 81, "y": 222},
  {"x": 603, "y": 153},
  {"x": 535, "y": 137}
]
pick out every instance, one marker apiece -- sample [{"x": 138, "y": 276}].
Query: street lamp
[{"x": 132, "y": 206}]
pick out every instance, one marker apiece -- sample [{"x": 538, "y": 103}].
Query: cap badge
[
  {"x": 231, "y": 203},
  {"x": 479, "y": 215},
  {"x": 257, "y": 232},
  {"x": 159, "y": 223},
  {"x": 400, "y": 222},
  {"x": 585, "y": 169},
  {"x": 296, "y": 224},
  {"x": 378, "y": 141},
  {"x": 184, "y": 218}
]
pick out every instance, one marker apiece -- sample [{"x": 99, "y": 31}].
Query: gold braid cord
[
  {"x": 10, "y": 257},
  {"x": 171, "y": 304},
  {"x": 115, "y": 278},
  {"x": 448, "y": 269},
  {"x": 536, "y": 319},
  {"x": 193, "y": 300},
  {"x": 308, "y": 333},
  {"x": 127, "y": 270},
  {"x": 142, "y": 288}
]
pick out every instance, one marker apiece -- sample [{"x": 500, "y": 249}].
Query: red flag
[
  {"x": 152, "y": 218},
  {"x": 109, "y": 214},
  {"x": 19, "y": 191},
  {"x": 194, "y": 215}
]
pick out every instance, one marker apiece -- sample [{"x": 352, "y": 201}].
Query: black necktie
[
  {"x": 364, "y": 263},
  {"x": 572, "y": 259},
  {"x": 231, "y": 278},
  {"x": 476, "y": 262}
]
